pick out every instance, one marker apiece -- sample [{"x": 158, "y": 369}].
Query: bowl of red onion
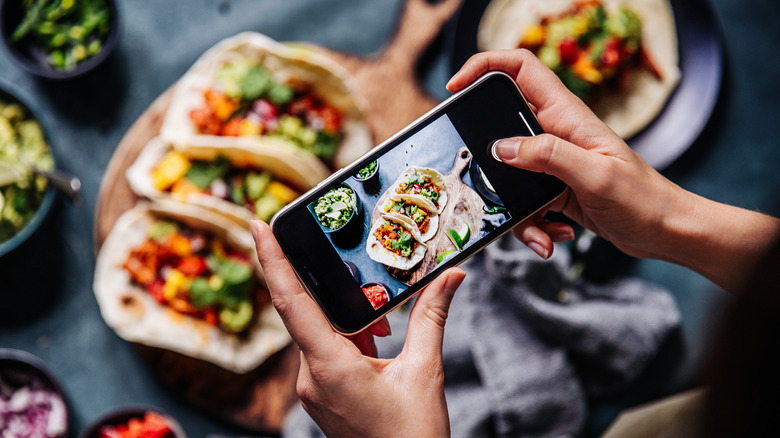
[{"x": 32, "y": 403}]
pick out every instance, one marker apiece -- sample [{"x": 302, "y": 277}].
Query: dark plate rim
[{"x": 688, "y": 108}]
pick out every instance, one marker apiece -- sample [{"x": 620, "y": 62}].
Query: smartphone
[{"x": 373, "y": 234}]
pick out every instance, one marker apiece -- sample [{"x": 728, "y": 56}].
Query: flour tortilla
[
  {"x": 422, "y": 202},
  {"x": 328, "y": 79},
  {"x": 137, "y": 317},
  {"x": 505, "y": 21},
  {"x": 140, "y": 180},
  {"x": 380, "y": 254},
  {"x": 435, "y": 176}
]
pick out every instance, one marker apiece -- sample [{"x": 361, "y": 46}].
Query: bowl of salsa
[{"x": 377, "y": 293}]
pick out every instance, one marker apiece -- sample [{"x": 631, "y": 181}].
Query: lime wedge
[
  {"x": 460, "y": 236},
  {"x": 441, "y": 257},
  {"x": 9, "y": 174}
]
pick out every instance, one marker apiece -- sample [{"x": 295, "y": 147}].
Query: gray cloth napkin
[{"x": 517, "y": 364}]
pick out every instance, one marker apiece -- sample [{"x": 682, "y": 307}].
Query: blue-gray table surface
[{"x": 46, "y": 302}]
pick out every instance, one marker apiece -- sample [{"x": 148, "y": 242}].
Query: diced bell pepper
[{"x": 172, "y": 168}]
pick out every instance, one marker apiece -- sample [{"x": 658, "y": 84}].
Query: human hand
[
  {"x": 341, "y": 383},
  {"x": 612, "y": 191}
]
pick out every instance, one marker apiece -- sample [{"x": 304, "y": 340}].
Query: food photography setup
[{"x": 141, "y": 141}]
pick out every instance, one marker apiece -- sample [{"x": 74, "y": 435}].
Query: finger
[
  {"x": 426, "y": 322},
  {"x": 364, "y": 341},
  {"x": 380, "y": 328},
  {"x": 540, "y": 236},
  {"x": 303, "y": 319},
  {"x": 577, "y": 167}
]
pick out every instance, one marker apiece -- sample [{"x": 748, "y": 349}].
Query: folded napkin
[{"x": 517, "y": 361}]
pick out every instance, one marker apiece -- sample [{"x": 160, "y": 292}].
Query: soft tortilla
[
  {"x": 380, "y": 254},
  {"x": 505, "y": 21},
  {"x": 140, "y": 180},
  {"x": 435, "y": 176},
  {"x": 424, "y": 203},
  {"x": 137, "y": 317},
  {"x": 329, "y": 81}
]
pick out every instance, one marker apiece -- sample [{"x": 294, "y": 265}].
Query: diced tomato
[
  {"x": 192, "y": 266},
  {"x": 156, "y": 291},
  {"x": 205, "y": 121},
  {"x": 331, "y": 119},
  {"x": 569, "y": 51},
  {"x": 210, "y": 316},
  {"x": 611, "y": 56},
  {"x": 232, "y": 128}
]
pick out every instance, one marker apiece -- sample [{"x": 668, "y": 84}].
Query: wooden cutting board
[
  {"x": 260, "y": 400},
  {"x": 464, "y": 205}
]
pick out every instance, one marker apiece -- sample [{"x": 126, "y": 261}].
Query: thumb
[
  {"x": 546, "y": 153},
  {"x": 426, "y": 321}
]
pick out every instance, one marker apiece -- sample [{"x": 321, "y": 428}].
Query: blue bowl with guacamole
[{"x": 26, "y": 198}]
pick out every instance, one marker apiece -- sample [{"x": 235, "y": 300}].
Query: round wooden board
[{"x": 261, "y": 399}]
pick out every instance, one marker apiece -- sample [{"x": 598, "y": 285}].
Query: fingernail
[
  {"x": 253, "y": 226},
  {"x": 563, "y": 236},
  {"x": 453, "y": 282},
  {"x": 506, "y": 149},
  {"x": 539, "y": 249}
]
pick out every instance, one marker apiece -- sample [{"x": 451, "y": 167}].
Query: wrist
[{"x": 721, "y": 242}]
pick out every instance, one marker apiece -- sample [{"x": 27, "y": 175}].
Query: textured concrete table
[{"x": 46, "y": 302}]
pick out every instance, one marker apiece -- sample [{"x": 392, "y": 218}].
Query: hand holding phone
[
  {"x": 375, "y": 233},
  {"x": 338, "y": 375}
]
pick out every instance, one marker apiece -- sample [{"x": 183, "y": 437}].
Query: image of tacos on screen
[
  {"x": 419, "y": 209},
  {"x": 620, "y": 57},
  {"x": 424, "y": 182},
  {"x": 236, "y": 182},
  {"x": 394, "y": 241},
  {"x": 179, "y": 277},
  {"x": 252, "y": 89}
]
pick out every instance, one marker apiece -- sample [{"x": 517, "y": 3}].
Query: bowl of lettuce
[{"x": 25, "y": 197}]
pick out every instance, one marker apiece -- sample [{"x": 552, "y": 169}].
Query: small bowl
[
  {"x": 19, "y": 368},
  {"x": 125, "y": 414},
  {"x": 353, "y": 271},
  {"x": 356, "y": 212},
  {"x": 48, "y": 197},
  {"x": 31, "y": 57},
  {"x": 373, "y": 174},
  {"x": 384, "y": 287}
]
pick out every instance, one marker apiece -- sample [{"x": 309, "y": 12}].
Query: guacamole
[{"x": 22, "y": 144}]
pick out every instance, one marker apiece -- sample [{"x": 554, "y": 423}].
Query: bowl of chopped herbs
[{"x": 59, "y": 39}]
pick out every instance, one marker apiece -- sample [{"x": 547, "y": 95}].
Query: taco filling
[
  {"x": 396, "y": 239},
  {"x": 246, "y": 100},
  {"x": 422, "y": 185},
  {"x": 196, "y": 274},
  {"x": 407, "y": 208},
  {"x": 589, "y": 49},
  {"x": 249, "y": 187}
]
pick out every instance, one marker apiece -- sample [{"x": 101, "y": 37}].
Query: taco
[
  {"x": 424, "y": 182},
  {"x": 619, "y": 57},
  {"x": 395, "y": 241},
  {"x": 241, "y": 184},
  {"x": 292, "y": 101},
  {"x": 178, "y": 277},
  {"x": 420, "y": 210}
]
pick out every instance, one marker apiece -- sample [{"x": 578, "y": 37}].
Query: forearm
[{"x": 721, "y": 242}]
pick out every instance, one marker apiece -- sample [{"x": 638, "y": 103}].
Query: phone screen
[
  {"x": 406, "y": 213},
  {"x": 370, "y": 238}
]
